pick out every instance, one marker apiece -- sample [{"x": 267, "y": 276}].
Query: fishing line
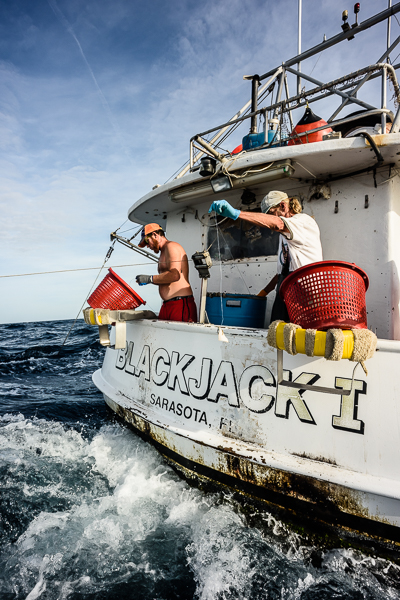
[
  {"x": 109, "y": 252},
  {"x": 218, "y": 230},
  {"x": 75, "y": 270},
  {"x": 234, "y": 262},
  {"x": 177, "y": 171},
  {"x": 220, "y": 279},
  {"x": 316, "y": 62}
]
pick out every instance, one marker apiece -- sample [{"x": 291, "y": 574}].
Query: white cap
[{"x": 273, "y": 199}]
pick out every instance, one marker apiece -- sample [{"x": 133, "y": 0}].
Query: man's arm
[
  {"x": 268, "y": 288},
  {"x": 262, "y": 220},
  {"x": 222, "y": 207}
]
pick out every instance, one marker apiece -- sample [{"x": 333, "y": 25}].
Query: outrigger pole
[{"x": 128, "y": 244}]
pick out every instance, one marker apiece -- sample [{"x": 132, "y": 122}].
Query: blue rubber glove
[
  {"x": 144, "y": 279},
  {"x": 222, "y": 207}
]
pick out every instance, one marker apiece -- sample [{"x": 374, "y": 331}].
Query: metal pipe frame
[
  {"x": 299, "y": 46},
  {"x": 367, "y": 76},
  {"x": 307, "y": 94},
  {"x": 385, "y": 14},
  {"x": 278, "y": 98},
  {"x": 384, "y": 99},
  {"x": 131, "y": 246},
  {"x": 335, "y": 91},
  {"x": 349, "y": 34},
  {"x": 222, "y": 128},
  {"x": 298, "y": 101},
  {"x": 287, "y": 98},
  {"x": 374, "y": 111}
]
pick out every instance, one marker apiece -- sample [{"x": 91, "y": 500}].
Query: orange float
[{"x": 308, "y": 121}]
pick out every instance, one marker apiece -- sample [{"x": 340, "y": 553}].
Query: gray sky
[{"x": 98, "y": 101}]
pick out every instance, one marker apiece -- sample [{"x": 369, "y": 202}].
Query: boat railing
[
  {"x": 284, "y": 106},
  {"x": 306, "y": 97}
]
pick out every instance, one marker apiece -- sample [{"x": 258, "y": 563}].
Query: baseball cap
[
  {"x": 147, "y": 229},
  {"x": 273, "y": 199}
]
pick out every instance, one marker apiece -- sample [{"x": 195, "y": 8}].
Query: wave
[
  {"x": 90, "y": 511},
  {"x": 102, "y": 516},
  {"x": 38, "y": 355}
]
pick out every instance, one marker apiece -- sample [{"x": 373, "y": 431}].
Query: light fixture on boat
[
  {"x": 191, "y": 192},
  {"x": 207, "y": 166},
  {"x": 345, "y": 16},
  {"x": 221, "y": 183},
  {"x": 356, "y": 11},
  {"x": 272, "y": 172}
]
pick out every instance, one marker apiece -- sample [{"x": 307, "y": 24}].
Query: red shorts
[{"x": 181, "y": 309}]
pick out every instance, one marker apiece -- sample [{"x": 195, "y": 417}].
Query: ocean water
[{"x": 90, "y": 511}]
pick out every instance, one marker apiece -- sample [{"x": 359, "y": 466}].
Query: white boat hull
[{"x": 214, "y": 409}]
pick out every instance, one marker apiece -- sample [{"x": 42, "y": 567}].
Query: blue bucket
[{"x": 236, "y": 310}]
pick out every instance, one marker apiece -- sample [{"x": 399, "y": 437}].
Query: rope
[{"x": 305, "y": 168}]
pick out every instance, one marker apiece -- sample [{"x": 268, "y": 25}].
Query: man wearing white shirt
[{"x": 299, "y": 240}]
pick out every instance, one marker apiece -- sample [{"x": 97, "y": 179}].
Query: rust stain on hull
[{"x": 320, "y": 500}]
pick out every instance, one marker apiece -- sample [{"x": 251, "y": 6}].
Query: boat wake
[{"x": 89, "y": 510}]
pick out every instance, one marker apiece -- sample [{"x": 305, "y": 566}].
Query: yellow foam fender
[
  {"x": 319, "y": 344},
  {"x": 93, "y": 319}
]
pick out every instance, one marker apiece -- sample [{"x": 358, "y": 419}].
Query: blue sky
[{"x": 98, "y": 101}]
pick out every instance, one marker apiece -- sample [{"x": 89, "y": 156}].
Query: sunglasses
[{"x": 146, "y": 238}]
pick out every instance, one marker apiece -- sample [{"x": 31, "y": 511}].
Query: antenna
[{"x": 299, "y": 48}]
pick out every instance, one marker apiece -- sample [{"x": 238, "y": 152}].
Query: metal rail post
[
  {"x": 299, "y": 50},
  {"x": 384, "y": 97}
]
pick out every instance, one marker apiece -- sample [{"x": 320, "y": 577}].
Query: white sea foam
[{"x": 122, "y": 516}]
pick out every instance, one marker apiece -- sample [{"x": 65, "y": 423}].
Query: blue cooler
[
  {"x": 237, "y": 310},
  {"x": 253, "y": 140}
]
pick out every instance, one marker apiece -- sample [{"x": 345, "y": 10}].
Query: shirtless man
[{"x": 173, "y": 279}]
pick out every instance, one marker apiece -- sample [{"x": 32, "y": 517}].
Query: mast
[{"x": 299, "y": 47}]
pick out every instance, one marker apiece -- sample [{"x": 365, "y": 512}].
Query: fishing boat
[{"x": 317, "y": 438}]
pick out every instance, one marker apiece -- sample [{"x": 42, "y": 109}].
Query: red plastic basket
[
  {"x": 326, "y": 295},
  {"x": 115, "y": 294}
]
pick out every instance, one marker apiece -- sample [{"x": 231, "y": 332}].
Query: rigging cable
[
  {"x": 75, "y": 270},
  {"x": 109, "y": 252}
]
